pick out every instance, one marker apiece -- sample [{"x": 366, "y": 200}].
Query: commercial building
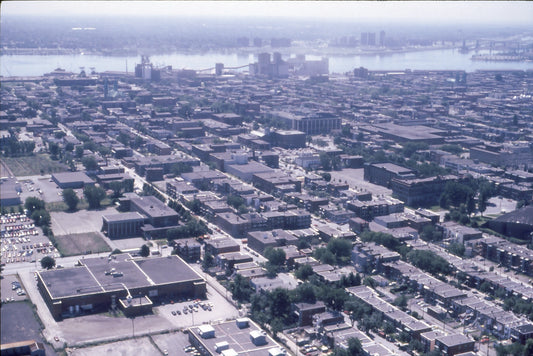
[
  {"x": 313, "y": 124},
  {"x": 231, "y": 338},
  {"x": 412, "y": 133},
  {"x": 123, "y": 225},
  {"x": 424, "y": 191},
  {"x": 288, "y": 138},
  {"x": 72, "y": 180},
  {"x": 9, "y": 189},
  {"x": 260, "y": 240},
  {"x": 367, "y": 210},
  {"x": 518, "y": 223},
  {"x": 97, "y": 284},
  {"x": 384, "y": 173},
  {"x": 454, "y": 344}
]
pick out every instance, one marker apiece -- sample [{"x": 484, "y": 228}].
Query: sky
[{"x": 497, "y": 12}]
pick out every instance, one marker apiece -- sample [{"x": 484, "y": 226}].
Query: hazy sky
[{"x": 511, "y": 12}]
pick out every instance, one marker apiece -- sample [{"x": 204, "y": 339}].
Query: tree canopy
[
  {"x": 429, "y": 261},
  {"x": 33, "y": 203},
  {"x": 48, "y": 262},
  {"x": 70, "y": 198},
  {"x": 94, "y": 196},
  {"x": 145, "y": 251}
]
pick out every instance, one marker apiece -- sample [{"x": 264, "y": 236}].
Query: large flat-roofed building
[
  {"x": 158, "y": 218},
  {"x": 424, "y": 191},
  {"x": 414, "y": 133},
  {"x": 383, "y": 173},
  {"x": 235, "y": 337},
  {"x": 123, "y": 225},
  {"x": 313, "y": 124},
  {"x": 72, "y": 180},
  {"x": 454, "y": 344},
  {"x": 167, "y": 162},
  {"x": 157, "y": 213},
  {"x": 288, "y": 138},
  {"x": 272, "y": 181},
  {"x": 248, "y": 170},
  {"x": 9, "y": 192},
  {"x": 98, "y": 284}
]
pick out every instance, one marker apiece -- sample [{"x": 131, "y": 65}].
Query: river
[{"x": 442, "y": 59}]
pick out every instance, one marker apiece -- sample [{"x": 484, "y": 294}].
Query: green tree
[
  {"x": 528, "y": 348},
  {"x": 54, "y": 149},
  {"x": 485, "y": 287},
  {"x": 305, "y": 292},
  {"x": 430, "y": 233},
  {"x": 303, "y": 272},
  {"x": 208, "y": 261},
  {"x": 280, "y": 303},
  {"x": 341, "y": 248},
  {"x": 41, "y": 217},
  {"x": 116, "y": 187},
  {"x": 79, "y": 152},
  {"x": 401, "y": 301},
  {"x": 33, "y": 203},
  {"x": 70, "y": 198},
  {"x": 145, "y": 251},
  {"x": 241, "y": 289},
  {"x": 457, "y": 249},
  {"x": 90, "y": 163},
  {"x": 429, "y": 261},
  {"x": 94, "y": 196},
  {"x": 325, "y": 256},
  {"x": 275, "y": 256},
  {"x": 48, "y": 262}
]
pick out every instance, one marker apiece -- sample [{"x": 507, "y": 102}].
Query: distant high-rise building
[
  {"x": 263, "y": 62},
  {"x": 219, "y": 67},
  {"x": 258, "y": 42},
  {"x": 382, "y": 38},
  {"x": 364, "y": 38},
  {"x": 371, "y": 38}
]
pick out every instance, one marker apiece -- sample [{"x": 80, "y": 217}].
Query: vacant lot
[
  {"x": 80, "y": 244},
  {"x": 33, "y": 165},
  {"x": 19, "y": 324},
  {"x": 141, "y": 346},
  {"x": 66, "y": 223}
]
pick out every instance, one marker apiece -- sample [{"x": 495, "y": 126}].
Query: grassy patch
[
  {"x": 61, "y": 206},
  {"x": 33, "y": 165},
  {"x": 80, "y": 244}
]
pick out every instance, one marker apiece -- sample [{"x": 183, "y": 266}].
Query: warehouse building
[
  {"x": 72, "y": 180},
  {"x": 99, "y": 284}
]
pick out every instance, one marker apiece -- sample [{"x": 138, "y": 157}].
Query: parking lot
[
  {"x": 186, "y": 313},
  {"x": 41, "y": 187},
  {"x": 12, "y": 290},
  {"x": 22, "y": 241}
]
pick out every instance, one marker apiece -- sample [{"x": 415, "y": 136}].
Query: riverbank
[{"x": 298, "y": 49}]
